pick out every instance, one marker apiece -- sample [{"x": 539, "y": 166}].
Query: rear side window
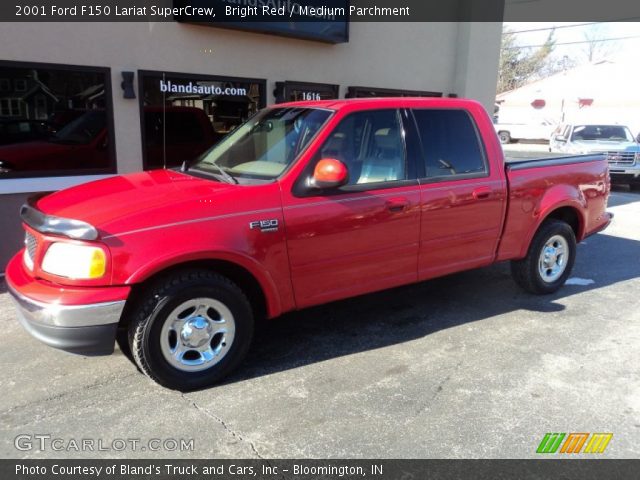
[{"x": 450, "y": 144}]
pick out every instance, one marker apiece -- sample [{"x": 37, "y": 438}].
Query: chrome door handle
[{"x": 482, "y": 192}]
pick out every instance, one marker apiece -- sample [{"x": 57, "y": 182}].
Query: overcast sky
[{"x": 622, "y": 50}]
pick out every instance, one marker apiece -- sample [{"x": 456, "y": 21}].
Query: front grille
[
  {"x": 621, "y": 158},
  {"x": 31, "y": 244}
]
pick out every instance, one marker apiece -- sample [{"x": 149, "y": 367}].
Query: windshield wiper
[{"x": 228, "y": 177}]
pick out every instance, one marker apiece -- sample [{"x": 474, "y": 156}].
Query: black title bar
[{"x": 233, "y": 11}]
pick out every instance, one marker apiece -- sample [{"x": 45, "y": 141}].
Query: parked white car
[{"x": 511, "y": 132}]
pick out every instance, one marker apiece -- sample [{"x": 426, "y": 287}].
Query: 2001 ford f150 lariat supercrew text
[{"x": 304, "y": 204}]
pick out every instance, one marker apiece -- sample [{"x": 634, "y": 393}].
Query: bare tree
[
  {"x": 597, "y": 48},
  {"x": 557, "y": 65}
]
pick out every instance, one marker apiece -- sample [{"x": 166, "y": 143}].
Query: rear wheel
[
  {"x": 549, "y": 260},
  {"x": 191, "y": 330},
  {"x": 505, "y": 137}
]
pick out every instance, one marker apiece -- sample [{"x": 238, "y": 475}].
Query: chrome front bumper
[
  {"x": 624, "y": 171},
  {"x": 80, "y": 329}
]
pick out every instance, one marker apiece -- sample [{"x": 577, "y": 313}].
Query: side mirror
[
  {"x": 329, "y": 173},
  {"x": 560, "y": 138}
]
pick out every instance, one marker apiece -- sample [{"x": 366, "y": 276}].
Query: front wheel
[
  {"x": 549, "y": 260},
  {"x": 191, "y": 330}
]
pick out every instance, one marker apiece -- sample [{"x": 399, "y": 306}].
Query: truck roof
[{"x": 337, "y": 104}]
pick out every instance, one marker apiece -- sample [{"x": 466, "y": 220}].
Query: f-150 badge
[{"x": 265, "y": 225}]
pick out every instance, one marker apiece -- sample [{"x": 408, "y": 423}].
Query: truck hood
[
  {"x": 601, "y": 146},
  {"x": 140, "y": 200}
]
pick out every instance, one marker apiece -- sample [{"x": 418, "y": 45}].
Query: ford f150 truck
[{"x": 306, "y": 203}]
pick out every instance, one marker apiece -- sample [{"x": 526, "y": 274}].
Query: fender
[
  {"x": 556, "y": 197},
  {"x": 263, "y": 277}
]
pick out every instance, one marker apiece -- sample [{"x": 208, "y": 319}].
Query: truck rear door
[{"x": 463, "y": 193}]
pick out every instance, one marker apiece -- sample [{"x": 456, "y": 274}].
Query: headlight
[
  {"x": 75, "y": 261},
  {"x": 637, "y": 157}
]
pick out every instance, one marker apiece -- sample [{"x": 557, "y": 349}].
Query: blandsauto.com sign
[{"x": 170, "y": 87}]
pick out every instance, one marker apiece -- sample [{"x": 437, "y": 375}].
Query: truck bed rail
[{"x": 513, "y": 165}]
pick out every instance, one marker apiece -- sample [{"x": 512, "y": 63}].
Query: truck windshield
[
  {"x": 611, "y": 133},
  {"x": 265, "y": 145}
]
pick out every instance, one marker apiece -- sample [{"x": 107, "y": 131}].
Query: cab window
[
  {"x": 370, "y": 144},
  {"x": 450, "y": 144}
]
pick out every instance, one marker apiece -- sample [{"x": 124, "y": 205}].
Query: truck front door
[{"x": 363, "y": 236}]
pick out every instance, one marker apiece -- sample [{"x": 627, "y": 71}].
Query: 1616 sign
[
  {"x": 292, "y": 91},
  {"x": 310, "y": 95}
]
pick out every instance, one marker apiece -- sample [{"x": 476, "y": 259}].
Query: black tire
[
  {"x": 153, "y": 310},
  {"x": 526, "y": 272},
  {"x": 505, "y": 137}
]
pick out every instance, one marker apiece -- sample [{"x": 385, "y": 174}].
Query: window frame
[
  {"x": 353, "y": 92},
  {"x": 24, "y": 84},
  {"x": 424, "y": 179},
  {"x": 10, "y": 112},
  {"x": 142, "y": 74},
  {"x": 301, "y": 189},
  {"x": 85, "y": 173}
]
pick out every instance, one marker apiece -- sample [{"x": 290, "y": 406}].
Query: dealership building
[{"x": 82, "y": 101}]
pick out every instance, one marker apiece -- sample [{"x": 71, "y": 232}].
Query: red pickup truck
[{"x": 304, "y": 204}]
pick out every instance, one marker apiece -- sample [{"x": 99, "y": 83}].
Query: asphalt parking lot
[{"x": 466, "y": 366}]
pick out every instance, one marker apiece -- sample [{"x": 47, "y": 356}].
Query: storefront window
[
  {"x": 372, "y": 92},
  {"x": 183, "y": 115},
  {"x": 304, "y": 91},
  {"x": 55, "y": 120}
]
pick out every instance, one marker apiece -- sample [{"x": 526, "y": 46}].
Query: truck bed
[{"x": 575, "y": 187}]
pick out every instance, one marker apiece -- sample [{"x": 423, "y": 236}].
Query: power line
[
  {"x": 577, "y": 42},
  {"x": 550, "y": 28},
  {"x": 542, "y": 29}
]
